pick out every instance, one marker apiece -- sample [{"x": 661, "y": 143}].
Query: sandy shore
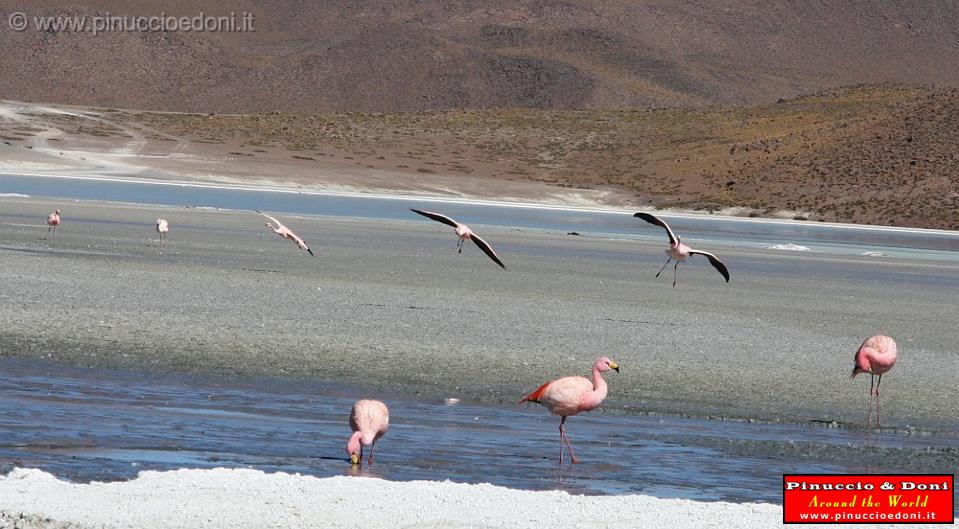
[
  {"x": 240, "y": 498},
  {"x": 391, "y": 306}
]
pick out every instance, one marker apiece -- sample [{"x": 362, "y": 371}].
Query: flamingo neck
[
  {"x": 353, "y": 447},
  {"x": 599, "y": 385}
]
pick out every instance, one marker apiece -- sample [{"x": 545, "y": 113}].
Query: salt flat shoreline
[{"x": 239, "y": 498}]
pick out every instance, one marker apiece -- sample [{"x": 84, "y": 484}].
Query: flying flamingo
[
  {"x": 570, "y": 395},
  {"x": 369, "y": 420},
  {"x": 875, "y": 356},
  {"x": 162, "y": 228},
  {"x": 679, "y": 251},
  {"x": 463, "y": 232},
  {"x": 53, "y": 221},
  {"x": 285, "y": 232}
]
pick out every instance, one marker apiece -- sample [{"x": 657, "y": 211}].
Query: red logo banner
[{"x": 868, "y": 498}]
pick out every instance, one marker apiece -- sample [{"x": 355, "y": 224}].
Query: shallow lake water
[{"x": 88, "y": 424}]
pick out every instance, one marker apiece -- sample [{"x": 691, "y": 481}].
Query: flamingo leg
[
  {"x": 872, "y": 379},
  {"x": 878, "y": 425},
  {"x": 372, "y": 449},
  {"x": 460, "y": 245},
  {"x": 564, "y": 439},
  {"x": 675, "y": 273},
  {"x": 664, "y": 266},
  {"x": 562, "y": 434}
]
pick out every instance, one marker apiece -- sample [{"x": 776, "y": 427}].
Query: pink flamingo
[
  {"x": 369, "y": 420},
  {"x": 679, "y": 251},
  {"x": 162, "y": 228},
  {"x": 464, "y": 233},
  {"x": 285, "y": 232},
  {"x": 53, "y": 221},
  {"x": 570, "y": 395},
  {"x": 875, "y": 356}
]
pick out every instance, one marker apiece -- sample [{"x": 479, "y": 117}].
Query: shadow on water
[{"x": 87, "y": 424}]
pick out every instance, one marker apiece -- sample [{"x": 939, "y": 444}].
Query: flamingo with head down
[
  {"x": 875, "y": 356},
  {"x": 369, "y": 421},
  {"x": 53, "y": 221},
  {"x": 162, "y": 228}
]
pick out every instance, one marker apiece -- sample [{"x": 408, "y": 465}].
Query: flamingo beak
[
  {"x": 355, "y": 459},
  {"x": 614, "y": 365}
]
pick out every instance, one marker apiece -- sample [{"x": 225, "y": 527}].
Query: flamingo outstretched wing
[
  {"x": 302, "y": 244},
  {"x": 487, "y": 249},
  {"x": 272, "y": 219},
  {"x": 713, "y": 260},
  {"x": 437, "y": 217},
  {"x": 653, "y": 219}
]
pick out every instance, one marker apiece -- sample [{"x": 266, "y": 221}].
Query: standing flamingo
[
  {"x": 285, "y": 232},
  {"x": 463, "y": 232},
  {"x": 679, "y": 251},
  {"x": 162, "y": 228},
  {"x": 875, "y": 356},
  {"x": 369, "y": 420},
  {"x": 570, "y": 395},
  {"x": 53, "y": 221}
]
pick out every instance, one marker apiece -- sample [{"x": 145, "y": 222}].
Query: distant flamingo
[
  {"x": 875, "y": 356},
  {"x": 285, "y": 232},
  {"x": 570, "y": 395},
  {"x": 53, "y": 221},
  {"x": 679, "y": 251},
  {"x": 463, "y": 232},
  {"x": 369, "y": 420},
  {"x": 162, "y": 228}
]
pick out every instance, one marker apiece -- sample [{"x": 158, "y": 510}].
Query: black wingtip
[{"x": 310, "y": 252}]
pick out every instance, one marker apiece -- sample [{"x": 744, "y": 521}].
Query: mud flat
[{"x": 389, "y": 304}]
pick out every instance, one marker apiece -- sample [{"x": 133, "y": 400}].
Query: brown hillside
[
  {"x": 871, "y": 154},
  {"x": 401, "y": 55}
]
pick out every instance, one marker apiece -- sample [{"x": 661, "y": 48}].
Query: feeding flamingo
[
  {"x": 53, "y": 221},
  {"x": 285, "y": 232},
  {"x": 875, "y": 356},
  {"x": 679, "y": 251},
  {"x": 463, "y": 232},
  {"x": 570, "y": 395},
  {"x": 162, "y": 228},
  {"x": 369, "y": 420}
]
